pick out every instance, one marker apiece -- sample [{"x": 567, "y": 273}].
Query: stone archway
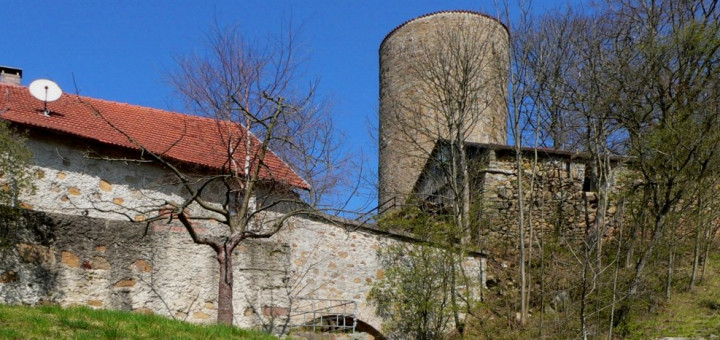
[{"x": 338, "y": 323}]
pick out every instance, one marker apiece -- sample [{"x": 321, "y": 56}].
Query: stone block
[
  {"x": 34, "y": 253},
  {"x": 105, "y": 185},
  {"x": 9, "y": 276},
  {"x": 143, "y": 310},
  {"x": 95, "y": 303},
  {"x": 69, "y": 259},
  {"x": 99, "y": 262},
  {"x": 127, "y": 283},
  {"x": 141, "y": 265},
  {"x": 201, "y": 315},
  {"x": 275, "y": 311}
]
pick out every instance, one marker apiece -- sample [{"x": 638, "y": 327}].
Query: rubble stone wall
[
  {"x": 555, "y": 189},
  {"x": 84, "y": 241},
  {"x": 71, "y": 179},
  {"x": 101, "y": 263}
]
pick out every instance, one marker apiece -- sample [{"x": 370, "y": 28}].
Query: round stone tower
[{"x": 416, "y": 102}]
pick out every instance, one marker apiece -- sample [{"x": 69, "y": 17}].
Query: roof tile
[{"x": 180, "y": 137}]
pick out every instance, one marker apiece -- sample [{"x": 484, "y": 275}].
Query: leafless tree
[
  {"x": 636, "y": 79},
  {"x": 236, "y": 80},
  {"x": 252, "y": 92}
]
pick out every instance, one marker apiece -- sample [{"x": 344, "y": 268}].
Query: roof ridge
[{"x": 13, "y": 85}]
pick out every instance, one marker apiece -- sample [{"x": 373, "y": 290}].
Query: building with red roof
[
  {"x": 74, "y": 137},
  {"x": 179, "y": 137}
]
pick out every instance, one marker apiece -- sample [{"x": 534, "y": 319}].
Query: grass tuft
[{"x": 713, "y": 305}]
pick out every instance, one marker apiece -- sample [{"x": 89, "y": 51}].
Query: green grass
[
  {"x": 54, "y": 322},
  {"x": 693, "y": 314}
]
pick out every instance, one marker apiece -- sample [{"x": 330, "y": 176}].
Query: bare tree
[
  {"x": 637, "y": 79},
  {"x": 665, "y": 74},
  {"x": 251, "y": 91},
  {"x": 239, "y": 81}
]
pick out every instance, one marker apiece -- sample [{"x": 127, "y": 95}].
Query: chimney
[{"x": 10, "y": 75}]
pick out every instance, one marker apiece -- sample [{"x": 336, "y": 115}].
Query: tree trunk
[
  {"x": 696, "y": 257},
  {"x": 464, "y": 167},
  {"x": 708, "y": 244},
  {"x": 521, "y": 236},
  {"x": 668, "y": 279},
  {"x": 225, "y": 285},
  {"x": 583, "y": 297},
  {"x": 619, "y": 212},
  {"x": 696, "y": 249},
  {"x": 640, "y": 267}
]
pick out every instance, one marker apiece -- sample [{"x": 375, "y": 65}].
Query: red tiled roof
[{"x": 180, "y": 137}]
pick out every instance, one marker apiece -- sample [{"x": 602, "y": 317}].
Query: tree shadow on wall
[{"x": 26, "y": 257}]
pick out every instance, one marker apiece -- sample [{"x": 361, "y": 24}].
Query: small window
[{"x": 590, "y": 180}]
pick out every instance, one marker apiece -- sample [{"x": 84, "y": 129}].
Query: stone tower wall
[{"x": 409, "y": 121}]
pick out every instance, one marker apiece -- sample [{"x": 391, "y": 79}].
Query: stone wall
[
  {"x": 71, "y": 179},
  {"x": 77, "y": 245},
  {"x": 559, "y": 195},
  {"x": 101, "y": 263},
  {"x": 74, "y": 260}
]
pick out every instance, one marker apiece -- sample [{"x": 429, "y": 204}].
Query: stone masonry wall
[
  {"x": 558, "y": 202},
  {"x": 69, "y": 180},
  {"x": 75, "y": 260},
  {"x": 79, "y": 247}
]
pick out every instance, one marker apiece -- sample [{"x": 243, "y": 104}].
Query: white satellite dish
[{"x": 45, "y": 90}]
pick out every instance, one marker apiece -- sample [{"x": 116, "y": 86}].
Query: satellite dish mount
[{"x": 45, "y": 90}]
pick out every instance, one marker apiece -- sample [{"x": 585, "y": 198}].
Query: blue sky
[{"x": 122, "y": 50}]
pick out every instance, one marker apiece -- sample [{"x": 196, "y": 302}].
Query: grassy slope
[
  {"x": 687, "y": 314},
  {"x": 693, "y": 315},
  {"x": 53, "y": 322}
]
